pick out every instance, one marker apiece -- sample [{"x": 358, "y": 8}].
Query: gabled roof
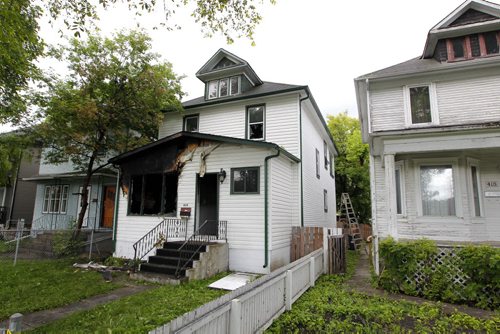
[
  {"x": 223, "y": 64},
  {"x": 267, "y": 88},
  {"x": 471, "y": 17},
  {"x": 203, "y": 136}
]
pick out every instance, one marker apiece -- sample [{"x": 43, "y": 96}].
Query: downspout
[
  {"x": 115, "y": 212},
  {"x": 266, "y": 208},
  {"x": 301, "y": 160}
]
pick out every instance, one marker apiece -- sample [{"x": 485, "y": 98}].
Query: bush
[
  {"x": 436, "y": 279},
  {"x": 65, "y": 244}
]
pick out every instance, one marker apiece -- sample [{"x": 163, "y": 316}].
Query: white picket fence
[{"x": 253, "y": 307}]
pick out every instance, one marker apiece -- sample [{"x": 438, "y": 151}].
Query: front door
[
  {"x": 208, "y": 203},
  {"x": 108, "y": 210}
]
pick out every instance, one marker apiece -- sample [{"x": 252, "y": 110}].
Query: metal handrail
[
  {"x": 196, "y": 241},
  {"x": 167, "y": 228}
]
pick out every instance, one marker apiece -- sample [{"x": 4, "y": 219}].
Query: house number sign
[{"x": 491, "y": 184}]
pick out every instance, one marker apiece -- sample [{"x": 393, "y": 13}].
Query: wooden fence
[
  {"x": 253, "y": 307},
  {"x": 305, "y": 240},
  {"x": 337, "y": 254}
]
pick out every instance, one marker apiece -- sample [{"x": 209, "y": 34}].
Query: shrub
[
  {"x": 64, "y": 244},
  {"x": 403, "y": 262}
]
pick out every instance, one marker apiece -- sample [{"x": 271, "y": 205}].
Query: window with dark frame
[
  {"x": 223, "y": 87},
  {"x": 420, "y": 105},
  {"x": 325, "y": 200},
  {"x": 256, "y": 122},
  {"x": 191, "y": 123},
  {"x": 325, "y": 153},
  {"x": 317, "y": 163},
  {"x": 491, "y": 41},
  {"x": 153, "y": 194},
  {"x": 245, "y": 180},
  {"x": 331, "y": 166},
  {"x": 472, "y": 46},
  {"x": 458, "y": 47}
]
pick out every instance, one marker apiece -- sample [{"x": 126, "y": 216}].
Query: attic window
[
  {"x": 223, "y": 87},
  {"x": 458, "y": 47},
  {"x": 491, "y": 40}
]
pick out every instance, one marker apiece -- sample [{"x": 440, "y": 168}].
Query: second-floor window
[
  {"x": 55, "y": 199},
  {"x": 256, "y": 122},
  {"x": 420, "y": 105},
  {"x": 325, "y": 153},
  {"x": 191, "y": 123},
  {"x": 317, "y": 164},
  {"x": 223, "y": 87}
]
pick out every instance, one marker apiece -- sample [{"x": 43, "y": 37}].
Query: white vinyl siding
[
  {"x": 281, "y": 120},
  {"x": 459, "y": 102},
  {"x": 314, "y": 214}
]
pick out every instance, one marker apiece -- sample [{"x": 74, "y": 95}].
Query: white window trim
[
  {"x": 474, "y": 163},
  {"x": 456, "y": 184},
  {"x": 227, "y": 87},
  {"x": 208, "y": 90},
  {"x": 46, "y": 199},
  {"x": 263, "y": 122},
  {"x": 239, "y": 85},
  {"x": 50, "y": 190},
  {"x": 433, "y": 102},
  {"x": 399, "y": 165}
]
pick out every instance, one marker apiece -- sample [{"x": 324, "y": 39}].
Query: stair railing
[
  {"x": 167, "y": 228},
  {"x": 192, "y": 246}
]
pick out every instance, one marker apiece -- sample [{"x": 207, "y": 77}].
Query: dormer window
[
  {"x": 472, "y": 46},
  {"x": 458, "y": 47},
  {"x": 491, "y": 41},
  {"x": 223, "y": 87}
]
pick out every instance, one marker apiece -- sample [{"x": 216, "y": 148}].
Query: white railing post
[
  {"x": 288, "y": 290},
  {"x": 235, "y": 317},
  {"x": 312, "y": 271}
]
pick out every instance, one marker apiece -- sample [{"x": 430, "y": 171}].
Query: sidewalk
[
  {"x": 360, "y": 282},
  {"x": 37, "y": 319}
]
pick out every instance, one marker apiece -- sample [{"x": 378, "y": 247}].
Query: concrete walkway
[
  {"x": 360, "y": 282},
  {"x": 40, "y": 318}
]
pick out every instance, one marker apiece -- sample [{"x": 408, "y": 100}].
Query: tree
[
  {"x": 352, "y": 164},
  {"x": 21, "y": 45},
  {"x": 111, "y": 102}
]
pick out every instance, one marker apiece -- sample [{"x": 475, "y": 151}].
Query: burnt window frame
[
  {"x": 162, "y": 198},
  {"x": 245, "y": 192},
  {"x": 185, "y": 118},
  {"x": 247, "y": 121}
]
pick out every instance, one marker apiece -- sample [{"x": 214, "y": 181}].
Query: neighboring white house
[
  {"x": 255, "y": 154},
  {"x": 433, "y": 126},
  {"x": 58, "y": 199}
]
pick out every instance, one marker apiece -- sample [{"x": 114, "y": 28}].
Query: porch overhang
[
  {"x": 181, "y": 136},
  {"x": 65, "y": 176}
]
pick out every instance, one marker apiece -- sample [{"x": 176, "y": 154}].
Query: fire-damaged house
[{"x": 230, "y": 175}]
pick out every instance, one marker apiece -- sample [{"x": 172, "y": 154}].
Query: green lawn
[
  {"x": 330, "y": 307},
  {"x": 138, "y": 313},
  {"x": 34, "y": 285}
]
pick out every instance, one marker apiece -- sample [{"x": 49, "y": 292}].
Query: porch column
[{"x": 390, "y": 184}]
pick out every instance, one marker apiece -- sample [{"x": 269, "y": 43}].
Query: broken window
[
  {"x": 255, "y": 122},
  {"x": 245, "y": 180},
  {"x": 153, "y": 194}
]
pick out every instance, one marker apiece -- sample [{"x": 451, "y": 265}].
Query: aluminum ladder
[{"x": 347, "y": 211}]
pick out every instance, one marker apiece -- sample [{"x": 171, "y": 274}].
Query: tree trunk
[{"x": 85, "y": 195}]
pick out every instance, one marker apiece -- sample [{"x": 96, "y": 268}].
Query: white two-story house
[
  {"x": 433, "y": 126},
  {"x": 251, "y": 157}
]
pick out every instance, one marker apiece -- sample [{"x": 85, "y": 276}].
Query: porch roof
[
  {"x": 203, "y": 136},
  {"x": 70, "y": 175}
]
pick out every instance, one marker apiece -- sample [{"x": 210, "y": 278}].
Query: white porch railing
[{"x": 253, "y": 307}]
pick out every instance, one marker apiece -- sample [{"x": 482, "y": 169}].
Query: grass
[
  {"x": 138, "y": 313},
  {"x": 34, "y": 285},
  {"x": 330, "y": 307}
]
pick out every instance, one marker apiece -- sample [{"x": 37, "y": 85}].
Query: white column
[{"x": 390, "y": 184}]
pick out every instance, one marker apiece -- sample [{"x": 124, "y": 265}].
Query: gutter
[
  {"x": 266, "y": 207},
  {"x": 301, "y": 159},
  {"x": 115, "y": 212}
]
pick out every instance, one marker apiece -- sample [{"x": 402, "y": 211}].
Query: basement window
[{"x": 153, "y": 194}]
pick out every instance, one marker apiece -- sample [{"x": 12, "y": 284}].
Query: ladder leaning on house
[{"x": 347, "y": 211}]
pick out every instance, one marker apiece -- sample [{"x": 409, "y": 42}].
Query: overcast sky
[{"x": 321, "y": 43}]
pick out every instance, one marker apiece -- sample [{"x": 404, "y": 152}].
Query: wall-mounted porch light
[{"x": 222, "y": 175}]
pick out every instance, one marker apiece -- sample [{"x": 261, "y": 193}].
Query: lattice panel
[{"x": 445, "y": 257}]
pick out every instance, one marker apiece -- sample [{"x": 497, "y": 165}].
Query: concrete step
[
  {"x": 167, "y": 260},
  {"x": 161, "y": 269}
]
